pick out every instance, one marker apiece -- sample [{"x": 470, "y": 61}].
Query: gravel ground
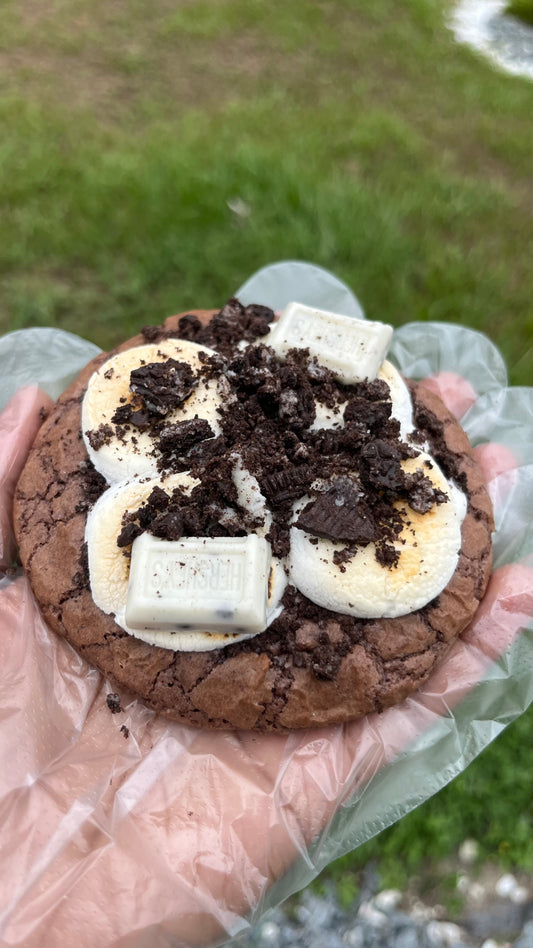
[{"x": 497, "y": 912}]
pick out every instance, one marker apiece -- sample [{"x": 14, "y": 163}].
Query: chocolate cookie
[{"x": 311, "y": 667}]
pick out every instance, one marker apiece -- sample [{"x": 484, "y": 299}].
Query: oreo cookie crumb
[
  {"x": 340, "y": 514},
  {"x": 179, "y": 438},
  {"x": 81, "y": 577},
  {"x": 97, "y": 437},
  {"x": 113, "y": 703},
  {"x": 163, "y": 386},
  {"x": 152, "y": 334},
  {"x": 93, "y": 485}
]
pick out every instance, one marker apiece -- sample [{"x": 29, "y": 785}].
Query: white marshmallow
[
  {"x": 135, "y": 454},
  {"x": 428, "y": 545},
  {"x": 109, "y": 568}
]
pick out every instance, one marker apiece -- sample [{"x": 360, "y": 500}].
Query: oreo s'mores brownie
[{"x": 258, "y": 524}]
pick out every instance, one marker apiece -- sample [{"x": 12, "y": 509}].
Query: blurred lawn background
[
  {"x": 153, "y": 156},
  {"x": 522, "y": 9}
]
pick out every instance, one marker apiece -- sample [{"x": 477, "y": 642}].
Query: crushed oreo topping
[
  {"x": 224, "y": 332},
  {"x": 422, "y": 494},
  {"x": 235, "y": 323},
  {"x": 100, "y": 436},
  {"x": 163, "y": 386},
  {"x": 352, "y": 475},
  {"x": 177, "y": 439},
  {"x": 93, "y": 485},
  {"x": 129, "y": 532},
  {"x": 128, "y": 415},
  {"x": 304, "y": 638},
  {"x": 211, "y": 510},
  {"x": 81, "y": 576}
]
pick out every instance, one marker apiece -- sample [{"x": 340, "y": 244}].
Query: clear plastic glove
[{"x": 126, "y": 830}]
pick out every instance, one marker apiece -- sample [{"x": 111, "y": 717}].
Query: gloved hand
[{"x": 126, "y": 830}]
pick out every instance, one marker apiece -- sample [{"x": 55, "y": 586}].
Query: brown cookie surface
[{"x": 311, "y": 667}]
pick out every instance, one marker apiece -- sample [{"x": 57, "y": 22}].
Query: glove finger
[
  {"x": 19, "y": 423},
  {"x": 455, "y": 391}
]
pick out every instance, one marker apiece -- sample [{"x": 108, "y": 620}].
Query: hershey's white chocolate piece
[
  {"x": 204, "y": 583},
  {"x": 353, "y": 349}
]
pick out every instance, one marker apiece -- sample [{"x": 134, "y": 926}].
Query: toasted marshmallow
[
  {"x": 428, "y": 548},
  {"x": 108, "y": 566},
  {"x": 115, "y": 594},
  {"x": 128, "y": 451}
]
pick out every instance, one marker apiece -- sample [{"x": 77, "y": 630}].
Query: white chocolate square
[
  {"x": 201, "y": 583},
  {"x": 353, "y": 349}
]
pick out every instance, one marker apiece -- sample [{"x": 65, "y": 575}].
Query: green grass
[
  {"x": 359, "y": 136},
  {"x": 523, "y": 9}
]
